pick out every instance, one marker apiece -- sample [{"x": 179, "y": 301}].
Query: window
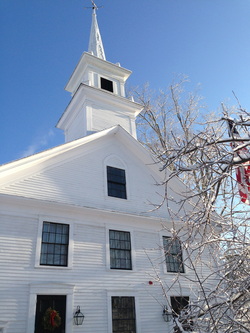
[
  {"x": 120, "y": 249},
  {"x": 116, "y": 182},
  {"x": 173, "y": 254},
  {"x": 56, "y": 302},
  {"x": 55, "y": 241},
  {"x": 107, "y": 85},
  {"x": 178, "y": 304},
  {"x": 123, "y": 315}
]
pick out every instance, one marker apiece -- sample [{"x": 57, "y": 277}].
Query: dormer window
[{"x": 107, "y": 85}]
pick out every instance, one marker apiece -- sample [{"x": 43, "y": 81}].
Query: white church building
[{"x": 78, "y": 235}]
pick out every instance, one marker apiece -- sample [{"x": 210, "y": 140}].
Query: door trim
[{"x": 51, "y": 289}]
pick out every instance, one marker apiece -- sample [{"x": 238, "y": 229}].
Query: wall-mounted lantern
[
  {"x": 78, "y": 316},
  {"x": 166, "y": 314}
]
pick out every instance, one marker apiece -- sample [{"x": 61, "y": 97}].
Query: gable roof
[
  {"x": 72, "y": 173},
  {"x": 28, "y": 165}
]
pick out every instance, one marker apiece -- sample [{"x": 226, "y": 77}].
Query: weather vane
[{"x": 94, "y": 6}]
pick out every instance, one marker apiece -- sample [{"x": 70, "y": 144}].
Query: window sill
[
  {"x": 116, "y": 198},
  {"x": 53, "y": 267},
  {"x": 174, "y": 273},
  {"x": 120, "y": 270}
]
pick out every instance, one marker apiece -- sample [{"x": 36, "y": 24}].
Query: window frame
[
  {"x": 132, "y": 311},
  {"x": 104, "y": 80},
  {"x": 132, "y": 251},
  {"x": 52, "y": 219},
  {"x": 61, "y": 230},
  {"x": 186, "y": 298},
  {"x": 108, "y": 181},
  {"x": 123, "y": 293},
  {"x": 187, "y": 327},
  {"x": 122, "y": 250},
  {"x": 182, "y": 266}
]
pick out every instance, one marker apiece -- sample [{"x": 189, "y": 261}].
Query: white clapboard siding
[
  {"x": 17, "y": 239},
  {"x": 69, "y": 185},
  {"x": 94, "y": 282},
  {"x": 82, "y": 181}
]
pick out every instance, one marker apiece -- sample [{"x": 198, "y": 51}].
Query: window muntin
[
  {"x": 116, "y": 179},
  {"x": 54, "y": 247},
  {"x": 120, "y": 250},
  {"x": 123, "y": 314},
  {"x": 178, "y": 304},
  {"x": 173, "y": 254},
  {"x": 107, "y": 84}
]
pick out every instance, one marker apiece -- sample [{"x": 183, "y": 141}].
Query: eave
[
  {"x": 127, "y": 106},
  {"x": 88, "y": 59}
]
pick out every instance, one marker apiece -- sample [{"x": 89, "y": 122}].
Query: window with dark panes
[
  {"x": 120, "y": 249},
  {"x": 116, "y": 182},
  {"x": 178, "y": 304},
  {"x": 173, "y": 254},
  {"x": 107, "y": 85},
  {"x": 123, "y": 315},
  {"x": 55, "y": 241}
]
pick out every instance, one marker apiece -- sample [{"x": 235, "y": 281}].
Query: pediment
[{"x": 75, "y": 174}]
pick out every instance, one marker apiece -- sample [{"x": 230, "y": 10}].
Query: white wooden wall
[
  {"x": 90, "y": 278},
  {"x": 72, "y": 188}
]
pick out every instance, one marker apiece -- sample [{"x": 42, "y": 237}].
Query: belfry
[{"x": 98, "y": 95}]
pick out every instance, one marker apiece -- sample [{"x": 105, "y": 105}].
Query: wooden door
[{"x": 56, "y": 302}]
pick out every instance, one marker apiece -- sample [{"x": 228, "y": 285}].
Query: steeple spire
[
  {"x": 98, "y": 93},
  {"x": 95, "y": 40}
]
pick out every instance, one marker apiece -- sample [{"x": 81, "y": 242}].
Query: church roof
[
  {"x": 30, "y": 164},
  {"x": 69, "y": 172}
]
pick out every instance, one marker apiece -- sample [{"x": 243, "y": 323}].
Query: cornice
[
  {"x": 85, "y": 92},
  {"x": 88, "y": 59}
]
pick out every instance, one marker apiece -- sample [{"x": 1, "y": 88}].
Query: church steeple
[
  {"x": 98, "y": 93},
  {"x": 95, "y": 41}
]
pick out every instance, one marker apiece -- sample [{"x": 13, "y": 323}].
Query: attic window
[
  {"x": 107, "y": 84},
  {"x": 116, "y": 182}
]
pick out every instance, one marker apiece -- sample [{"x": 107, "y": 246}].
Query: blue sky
[{"x": 42, "y": 41}]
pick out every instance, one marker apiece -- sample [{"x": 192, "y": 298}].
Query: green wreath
[{"x": 51, "y": 319}]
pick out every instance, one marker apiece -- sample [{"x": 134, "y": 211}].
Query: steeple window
[{"x": 107, "y": 84}]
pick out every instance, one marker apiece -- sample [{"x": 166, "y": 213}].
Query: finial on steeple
[
  {"x": 95, "y": 40},
  {"x": 94, "y": 6}
]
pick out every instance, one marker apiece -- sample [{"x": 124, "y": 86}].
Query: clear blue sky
[{"x": 42, "y": 41}]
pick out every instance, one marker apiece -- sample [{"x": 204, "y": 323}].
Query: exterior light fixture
[
  {"x": 166, "y": 314},
  {"x": 78, "y": 316}
]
